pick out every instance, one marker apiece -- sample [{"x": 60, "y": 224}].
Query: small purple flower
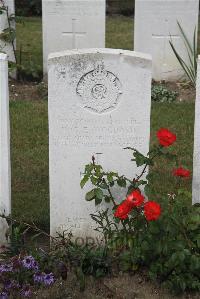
[
  {"x": 8, "y": 284},
  {"x": 3, "y": 295},
  {"x": 6, "y": 268},
  {"x": 29, "y": 263},
  {"x": 11, "y": 284},
  {"x": 48, "y": 279},
  {"x": 26, "y": 292},
  {"x": 38, "y": 277}
]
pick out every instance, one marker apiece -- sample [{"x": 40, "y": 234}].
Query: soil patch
[
  {"x": 24, "y": 91},
  {"x": 123, "y": 286},
  {"x": 186, "y": 92}
]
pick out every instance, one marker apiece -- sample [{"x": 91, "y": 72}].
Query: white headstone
[
  {"x": 5, "y": 180},
  {"x": 196, "y": 157},
  {"x": 7, "y": 47},
  {"x": 72, "y": 24},
  {"x": 155, "y": 23},
  {"x": 99, "y": 103}
]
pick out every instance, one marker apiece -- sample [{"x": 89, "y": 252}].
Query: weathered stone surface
[
  {"x": 69, "y": 24},
  {"x": 196, "y": 157},
  {"x": 5, "y": 180},
  {"x": 99, "y": 103},
  {"x": 7, "y": 47},
  {"x": 155, "y": 23}
]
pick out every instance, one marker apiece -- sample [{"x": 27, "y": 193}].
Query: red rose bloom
[
  {"x": 181, "y": 172},
  {"x": 152, "y": 210},
  {"x": 123, "y": 210},
  {"x": 165, "y": 137},
  {"x": 135, "y": 198}
]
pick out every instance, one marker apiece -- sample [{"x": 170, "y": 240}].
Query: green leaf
[
  {"x": 94, "y": 180},
  {"x": 103, "y": 185},
  {"x": 107, "y": 199},
  {"x": 90, "y": 195},
  {"x": 110, "y": 177},
  {"x": 84, "y": 180},
  {"x": 140, "y": 159},
  {"x": 89, "y": 168},
  {"x": 99, "y": 193},
  {"x": 139, "y": 183},
  {"x": 121, "y": 182},
  {"x": 97, "y": 201}
]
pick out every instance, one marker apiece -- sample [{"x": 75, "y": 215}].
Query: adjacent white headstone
[
  {"x": 155, "y": 24},
  {"x": 4, "y": 46},
  {"x": 72, "y": 24},
  {"x": 99, "y": 103},
  {"x": 5, "y": 180},
  {"x": 196, "y": 157}
]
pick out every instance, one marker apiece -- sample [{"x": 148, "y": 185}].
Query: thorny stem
[
  {"x": 144, "y": 169},
  {"x": 111, "y": 196}
]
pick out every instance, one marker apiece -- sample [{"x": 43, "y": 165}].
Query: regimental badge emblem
[{"x": 99, "y": 90}]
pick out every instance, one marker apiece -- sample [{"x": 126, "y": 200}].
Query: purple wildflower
[
  {"x": 26, "y": 292},
  {"x": 29, "y": 263},
  {"x": 11, "y": 284},
  {"x": 3, "y": 295},
  {"x": 48, "y": 279},
  {"x": 8, "y": 284},
  {"x": 38, "y": 277},
  {"x": 6, "y": 268}
]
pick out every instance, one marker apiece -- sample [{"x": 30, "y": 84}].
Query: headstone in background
[
  {"x": 155, "y": 22},
  {"x": 5, "y": 177},
  {"x": 196, "y": 157},
  {"x": 99, "y": 103},
  {"x": 72, "y": 24},
  {"x": 4, "y": 46}
]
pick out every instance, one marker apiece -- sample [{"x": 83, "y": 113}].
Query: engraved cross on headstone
[{"x": 74, "y": 33}]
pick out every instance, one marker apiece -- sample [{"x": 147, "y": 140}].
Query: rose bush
[
  {"x": 163, "y": 236},
  {"x": 134, "y": 205}
]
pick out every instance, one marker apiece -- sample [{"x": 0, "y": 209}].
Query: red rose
[
  {"x": 123, "y": 210},
  {"x": 181, "y": 172},
  {"x": 152, "y": 210},
  {"x": 165, "y": 137},
  {"x": 135, "y": 198}
]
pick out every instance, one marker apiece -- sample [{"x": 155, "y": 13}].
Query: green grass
[
  {"x": 29, "y": 154},
  {"x": 119, "y": 32},
  {"x": 179, "y": 118},
  {"x": 29, "y": 39},
  {"x": 29, "y": 150}
]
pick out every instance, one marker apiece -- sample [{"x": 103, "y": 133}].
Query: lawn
[{"x": 29, "y": 129}]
